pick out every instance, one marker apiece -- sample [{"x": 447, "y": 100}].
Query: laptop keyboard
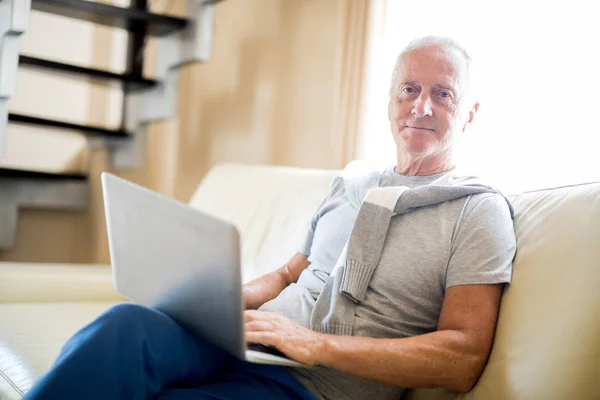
[{"x": 261, "y": 348}]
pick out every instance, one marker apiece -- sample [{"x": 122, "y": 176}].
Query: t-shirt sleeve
[
  {"x": 484, "y": 246},
  {"x": 336, "y": 187}
]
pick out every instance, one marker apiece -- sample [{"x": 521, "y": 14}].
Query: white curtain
[{"x": 538, "y": 66}]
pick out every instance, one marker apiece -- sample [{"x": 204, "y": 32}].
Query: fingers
[
  {"x": 267, "y": 338},
  {"x": 262, "y": 327},
  {"x": 259, "y": 326},
  {"x": 252, "y": 315}
]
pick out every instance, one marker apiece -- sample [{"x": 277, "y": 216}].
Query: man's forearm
[
  {"x": 263, "y": 289},
  {"x": 439, "y": 359},
  {"x": 268, "y": 286}
]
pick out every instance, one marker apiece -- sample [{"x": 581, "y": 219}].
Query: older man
[{"x": 397, "y": 284}]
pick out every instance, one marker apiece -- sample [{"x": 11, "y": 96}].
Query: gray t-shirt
[{"x": 470, "y": 240}]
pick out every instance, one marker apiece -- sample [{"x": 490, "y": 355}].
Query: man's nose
[{"x": 422, "y": 106}]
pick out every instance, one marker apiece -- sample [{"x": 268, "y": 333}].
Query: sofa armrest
[{"x": 34, "y": 283}]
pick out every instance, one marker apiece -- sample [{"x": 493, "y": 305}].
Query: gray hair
[{"x": 431, "y": 40}]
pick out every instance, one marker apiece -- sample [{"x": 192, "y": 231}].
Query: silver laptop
[{"x": 184, "y": 262}]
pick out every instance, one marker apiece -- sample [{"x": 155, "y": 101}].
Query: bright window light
[{"x": 538, "y": 74}]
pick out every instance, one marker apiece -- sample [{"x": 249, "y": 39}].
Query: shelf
[
  {"x": 118, "y": 17},
  {"x": 20, "y": 173},
  {"x": 86, "y": 129},
  {"x": 131, "y": 82}
]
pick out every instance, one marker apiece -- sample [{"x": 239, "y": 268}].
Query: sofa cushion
[
  {"x": 547, "y": 343},
  {"x": 16, "y": 376},
  {"x": 271, "y": 207},
  {"x": 39, "y": 310},
  {"x": 32, "y": 335},
  {"x": 34, "y": 283}
]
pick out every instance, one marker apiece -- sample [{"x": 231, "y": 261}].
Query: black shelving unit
[
  {"x": 131, "y": 81},
  {"x": 118, "y": 17},
  {"x": 85, "y": 129},
  {"x": 20, "y": 173}
]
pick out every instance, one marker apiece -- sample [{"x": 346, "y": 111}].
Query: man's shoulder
[
  {"x": 485, "y": 215},
  {"x": 489, "y": 205}
]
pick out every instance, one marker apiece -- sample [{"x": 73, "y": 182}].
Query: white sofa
[{"x": 548, "y": 337}]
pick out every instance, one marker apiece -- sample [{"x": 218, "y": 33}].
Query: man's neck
[{"x": 410, "y": 165}]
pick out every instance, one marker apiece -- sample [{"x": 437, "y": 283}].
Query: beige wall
[{"x": 267, "y": 96}]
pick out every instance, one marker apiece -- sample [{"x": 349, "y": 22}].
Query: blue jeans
[{"x": 133, "y": 352}]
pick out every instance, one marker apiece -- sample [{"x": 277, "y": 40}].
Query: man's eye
[
  {"x": 445, "y": 94},
  {"x": 409, "y": 90}
]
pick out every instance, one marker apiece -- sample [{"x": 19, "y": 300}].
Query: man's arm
[
  {"x": 452, "y": 357},
  {"x": 268, "y": 286}
]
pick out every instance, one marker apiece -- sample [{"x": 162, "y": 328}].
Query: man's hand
[{"x": 295, "y": 341}]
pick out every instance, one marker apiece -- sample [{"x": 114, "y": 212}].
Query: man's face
[{"x": 426, "y": 105}]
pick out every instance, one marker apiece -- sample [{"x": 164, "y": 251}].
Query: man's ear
[{"x": 472, "y": 113}]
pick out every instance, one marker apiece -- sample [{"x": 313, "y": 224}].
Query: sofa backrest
[
  {"x": 547, "y": 343},
  {"x": 270, "y": 206}
]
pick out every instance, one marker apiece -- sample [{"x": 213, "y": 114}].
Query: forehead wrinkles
[{"x": 440, "y": 63}]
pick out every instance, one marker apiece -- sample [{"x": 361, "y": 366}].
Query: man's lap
[
  {"x": 241, "y": 379},
  {"x": 232, "y": 378},
  {"x": 237, "y": 385}
]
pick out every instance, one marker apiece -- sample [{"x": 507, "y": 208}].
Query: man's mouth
[{"x": 420, "y": 128}]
